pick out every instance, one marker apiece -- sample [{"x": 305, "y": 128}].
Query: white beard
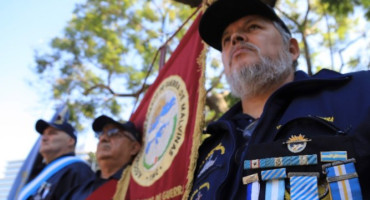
[{"x": 256, "y": 79}]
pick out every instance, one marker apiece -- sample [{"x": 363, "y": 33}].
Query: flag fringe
[
  {"x": 199, "y": 123},
  {"x": 122, "y": 184}
]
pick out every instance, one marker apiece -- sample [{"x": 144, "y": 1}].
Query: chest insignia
[{"x": 297, "y": 144}]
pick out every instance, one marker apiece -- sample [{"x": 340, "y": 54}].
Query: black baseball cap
[
  {"x": 128, "y": 126},
  {"x": 63, "y": 125},
  {"x": 224, "y": 12}
]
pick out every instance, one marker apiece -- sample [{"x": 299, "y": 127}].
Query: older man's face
[
  {"x": 55, "y": 142},
  {"x": 117, "y": 146},
  {"x": 254, "y": 55},
  {"x": 252, "y": 29}
]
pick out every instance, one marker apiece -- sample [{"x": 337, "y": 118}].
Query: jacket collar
[{"x": 301, "y": 78}]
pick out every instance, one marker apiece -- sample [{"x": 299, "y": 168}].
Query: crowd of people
[{"x": 291, "y": 136}]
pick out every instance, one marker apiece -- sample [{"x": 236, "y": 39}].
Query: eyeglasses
[{"x": 114, "y": 132}]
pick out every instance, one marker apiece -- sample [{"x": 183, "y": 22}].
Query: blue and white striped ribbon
[
  {"x": 343, "y": 182},
  {"x": 279, "y": 173},
  {"x": 45, "y": 174},
  {"x": 275, "y": 186},
  {"x": 303, "y": 187},
  {"x": 253, "y": 186},
  {"x": 275, "y": 189},
  {"x": 253, "y": 191},
  {"x": 284, "y": 161},
  {"x": 332, "y": 156}
]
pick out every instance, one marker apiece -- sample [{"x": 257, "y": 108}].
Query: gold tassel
[
  {"x": 199, "y": 123},
  {"x": 122, "y": 184}
]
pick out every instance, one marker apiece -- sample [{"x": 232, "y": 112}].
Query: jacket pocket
[{"x": 310, "y": 125}]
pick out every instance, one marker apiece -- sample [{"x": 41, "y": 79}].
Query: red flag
[{"x": 170, "y": 117}]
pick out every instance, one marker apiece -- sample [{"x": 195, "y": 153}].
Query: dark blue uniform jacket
[
  {"x": 331, "y": 109},
  {"x": 63, "y": 180},
  {"x": 90, "y": 185}
]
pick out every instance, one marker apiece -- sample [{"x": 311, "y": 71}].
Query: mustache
[
  {"x": 243, "y": 45},
  {"x": 104, "y": 145}
]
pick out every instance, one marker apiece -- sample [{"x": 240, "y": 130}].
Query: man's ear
[
  {"x": 135, "y": 148},
  {"x": 294, "y": 48},
  {"x": 72, "y": 142}
]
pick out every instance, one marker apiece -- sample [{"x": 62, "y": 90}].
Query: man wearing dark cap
[
  {"x": 63, "y": 170},
  {"x": 118, "y": 144},
  {"x": 291, "y": 135}
]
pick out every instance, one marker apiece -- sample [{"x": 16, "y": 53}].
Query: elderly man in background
[
  {"x": 63, "y": 170},
  {"x": 118, "y": 144}
]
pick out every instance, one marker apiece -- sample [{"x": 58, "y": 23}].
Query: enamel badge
[{"x": 297, "y": 144}]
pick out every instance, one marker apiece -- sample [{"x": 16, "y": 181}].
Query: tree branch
[
  {"x": 102, "y": 86},
  {"x": 288, "y": 17},
  {"x": 301, "y": 30},
  {"x": 348, "y": 45},
  {"x": 306, "y": 14},
  {"x": 215, "y": 82},
  {"x": 329, "y": 38}
]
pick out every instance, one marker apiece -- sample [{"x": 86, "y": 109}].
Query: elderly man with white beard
[
  {"x": 119, "y": 142},
  {"x": 291, "y": 136}
]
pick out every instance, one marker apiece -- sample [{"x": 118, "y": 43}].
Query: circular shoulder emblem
[{"x": 164, "y": 131}]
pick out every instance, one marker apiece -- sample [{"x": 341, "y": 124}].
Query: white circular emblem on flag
[{"x": 164, "y": 130}]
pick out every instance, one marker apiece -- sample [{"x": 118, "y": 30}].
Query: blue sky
[{"x": 26, "y": 25}]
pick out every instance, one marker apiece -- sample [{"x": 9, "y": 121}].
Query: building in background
[{"x": 6, "y": 181}]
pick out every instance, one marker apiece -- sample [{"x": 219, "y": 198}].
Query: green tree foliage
[
  {"x": 326, "y": 30},
  {"x": 101, "y": 61},
  {"x": 106, "y": 51},
  {"x": 346, "y": 7}
]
